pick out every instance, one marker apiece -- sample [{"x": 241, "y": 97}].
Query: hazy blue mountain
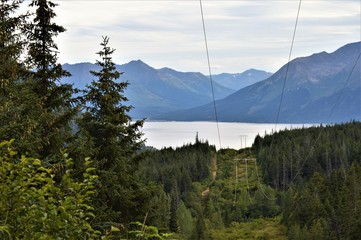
[
  {"x": 154, "y": 91},
  {"x": 313, "y": 87},
  {"x": 237, "y": 81}
]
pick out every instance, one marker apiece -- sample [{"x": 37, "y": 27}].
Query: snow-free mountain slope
[
  {"x": 152, "y": 91},
  {"x": 237, "y": 81},
  {"x": 313, "y": 87}
]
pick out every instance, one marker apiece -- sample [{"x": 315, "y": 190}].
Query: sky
[{"x": 241, "y": 34}]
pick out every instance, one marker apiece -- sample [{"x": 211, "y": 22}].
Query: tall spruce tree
[
  {"x": 54, "y": 100},
  {"x": 11, "y": 45},
  {"x": 115, "y": 140},
  {"x": 10, "y": 50},
  {"x": 16, "y": 99}
]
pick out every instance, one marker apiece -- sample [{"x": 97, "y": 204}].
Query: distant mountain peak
[
  {"x": 238, "y": 81},
  {"x": 311, "y": 94},
  {"x": 140, "y": 66},
  {"x": 153, "y": 91},
  {"x": 137, "y": 62}
]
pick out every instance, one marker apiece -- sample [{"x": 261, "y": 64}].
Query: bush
[{"x": 34, "y": 206}]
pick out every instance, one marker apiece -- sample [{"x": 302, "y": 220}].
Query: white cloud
[{"x": 242, "y": 34}]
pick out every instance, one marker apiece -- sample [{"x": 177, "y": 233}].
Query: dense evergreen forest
[
  {"x": 74, "y": 165},
  {"x": 318, "y": 173}
]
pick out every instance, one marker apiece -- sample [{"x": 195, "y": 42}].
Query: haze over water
[{"x": 233, "y": 135}]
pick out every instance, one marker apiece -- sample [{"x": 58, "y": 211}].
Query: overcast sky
[{"x": 241, "y": 34}]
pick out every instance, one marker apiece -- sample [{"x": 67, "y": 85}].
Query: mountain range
[
  {"x": 321, "y": 88},
  {"x": 153, "y": 92},
  {"x": 236, "y": 81}
]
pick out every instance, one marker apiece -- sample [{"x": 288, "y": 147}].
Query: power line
[
  {"x": 249, "y": 195},
  {"x": 283, "y": 87},
  {"x": 333, "y": 107},
  {"x": 288, "y": 63},
  {"x": 343, "y": 88},
  {"x": 235, "y": 185},
  {"x": 328, "y": 118},
  {"x": 261, "y": 187},
  {"x": 210, "y": 72}
]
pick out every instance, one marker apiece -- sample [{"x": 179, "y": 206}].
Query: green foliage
[
  {"x": 42, "y": 48},
  {"x": 203, "y": 203},
  {"x": 137, "y": 231},
  {"x": 33, "y": 206},
  {"x": 296, "y": 232},
  {"x": 327, "y": 207},
  {"x": 14, "y": 96},
  {"x": 323, "y": 165},
  {"x": 297, "y": 154},
  {"x": 313, "y": 173},
  {"x": 55, "y": 106},
  {"x": 11, "y": 44},
  {"x": 114, "y": 140},
  {"x": 106, "y": 120},
  {"x": 178, "y": 171},
  {"x": 185, "y": 220},
  {"x": 239, "y": 199},
  {"x": 142, "y": 231},
  {"x": 264, "y": 228}
]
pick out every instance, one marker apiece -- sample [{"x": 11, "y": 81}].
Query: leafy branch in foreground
[
  {"x": 138, "y": 231},
  {"x": 33, "y": 206},
  {"x": 143, "y": 231}
]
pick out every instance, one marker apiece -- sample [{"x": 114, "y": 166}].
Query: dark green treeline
[
  {"x": 312, "y": 175},
  {"x": 318, "y": 170}
]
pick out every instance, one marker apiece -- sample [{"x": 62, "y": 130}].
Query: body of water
[{"x": 232, "y": 135}]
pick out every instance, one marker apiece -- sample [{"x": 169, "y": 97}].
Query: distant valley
[
  {"x": 153, "y": 92},
  {"x": 323, "y": 87}
]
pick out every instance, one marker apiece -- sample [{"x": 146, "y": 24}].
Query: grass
[{"x": 261, "y": 229}]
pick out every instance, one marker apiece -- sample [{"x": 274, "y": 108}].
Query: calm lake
[{"x": 232, "y": 135}]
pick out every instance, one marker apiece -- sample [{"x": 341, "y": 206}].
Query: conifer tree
[
  {"x": 10, "y": 43},
  {"x": 10, "y": 49},
  {"x": 115, "y": 139},
  {"x": 14, "y": 94},
  {"x": 54, "y": 99},
  {"x": 42, "y": 48}
]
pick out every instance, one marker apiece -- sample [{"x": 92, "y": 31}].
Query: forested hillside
[
  {"x": 293, "y": 184},
  {"x": 317, "y": 171},
  {"x": 78, "y": 167},
  {"x": 208, "y": 193},
  {"x": 68, "y": 164}
]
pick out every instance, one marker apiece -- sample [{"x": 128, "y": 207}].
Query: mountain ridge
[
  {"x": 312, "y": 89},
  {"x": 153, "y": 91},
  {"x": 238, "y": 81}
]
